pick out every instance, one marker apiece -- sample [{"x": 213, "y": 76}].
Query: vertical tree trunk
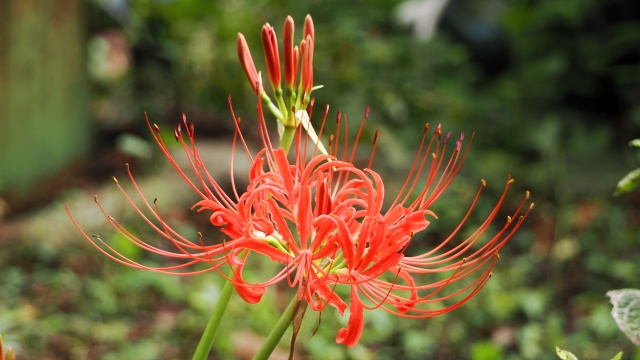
[{"x": 44, "y": 122}]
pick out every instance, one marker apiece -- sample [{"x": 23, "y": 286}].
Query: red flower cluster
[{"x": 324, "y": 220}]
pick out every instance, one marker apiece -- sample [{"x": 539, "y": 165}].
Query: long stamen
[
  {"x": 355, "y": 142},
  {"x": 373, "y": 151},
  {"x": 413, "y": 168}
]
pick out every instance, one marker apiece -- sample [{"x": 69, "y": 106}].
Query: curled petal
[
  {"x": 351, "y": 334},
  {"x": 256, "y": 169},
  {"x": 326, "y": 295},
  {"x": 250, "y": 294},
  {"x": 260, "y": 225},
  {"x": 408, "y": 305},
  {"x": 227, "y": 219}
]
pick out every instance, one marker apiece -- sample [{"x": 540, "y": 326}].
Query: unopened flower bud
[
  {"x": 247, "y": 64},
  {"x": 290, "y": 60},
  {"x": 270, "y": 44}
]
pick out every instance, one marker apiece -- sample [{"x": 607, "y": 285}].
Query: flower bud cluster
[{"x": 298, "y": 60}]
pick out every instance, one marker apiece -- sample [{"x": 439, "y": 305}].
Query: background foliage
[{"x": 551, "y": 89}]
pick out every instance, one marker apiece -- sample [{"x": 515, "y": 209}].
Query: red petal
[{"x": 351, "y": 334}]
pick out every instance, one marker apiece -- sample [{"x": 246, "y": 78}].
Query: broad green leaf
[
  {"x": 635, "y": 142},
  {"x": 628, "y": 182},
  {"x": 626, "y": 312},
  {"x": 565, "y": 355}
]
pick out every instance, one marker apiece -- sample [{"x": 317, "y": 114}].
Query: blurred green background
[{"x": 550, "y": 88}]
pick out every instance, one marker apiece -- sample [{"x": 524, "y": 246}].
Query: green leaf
[
  {"x": 635, "y": 142},
  {"x": 626, "y": 312},
  {"x": 565, "y": 355},
  {"x": 628, "y": 182},
  {"x": 618, "y": 356}
]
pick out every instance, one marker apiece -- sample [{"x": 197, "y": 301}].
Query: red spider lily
[{"x": 324, "y": 220}]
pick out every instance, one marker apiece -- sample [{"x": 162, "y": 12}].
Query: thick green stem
[
  {"x": 288, "y": 135},
  {"x": 206, "y": 342},
  {"x": 277, "y": 332}
]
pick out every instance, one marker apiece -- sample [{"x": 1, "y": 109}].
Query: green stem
[
  {"x": 281, "y": 105},
  {"x": 206, "y": 342},
  {"x": 288, "y": 135},
  {"x": 272, "y": 107},
  {"x": 277, "y": 332}
]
